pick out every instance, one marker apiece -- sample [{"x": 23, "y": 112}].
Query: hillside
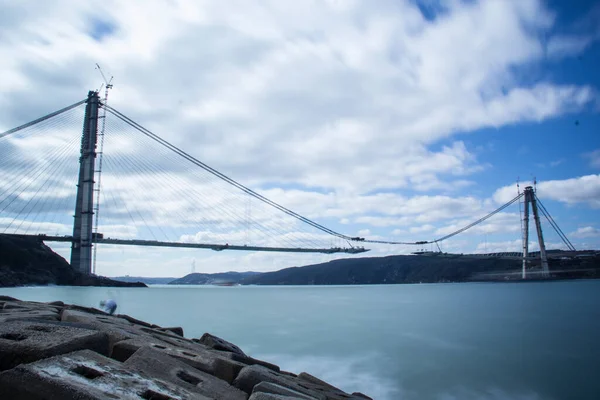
[
  {"x": 28, "y": 261},
  {"x": 214, "y": 279},
  {"x": 146, "y": 280},
  {"x": 416, "y": 269}
]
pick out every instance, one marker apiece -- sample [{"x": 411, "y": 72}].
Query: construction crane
[
  {"x": 107, "y": 83},
  {"x": 95, "y": 234}
]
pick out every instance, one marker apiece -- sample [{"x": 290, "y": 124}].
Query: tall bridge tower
[
  {"x": 81, "y": 247},
  {"x": 530, "y": 198}
]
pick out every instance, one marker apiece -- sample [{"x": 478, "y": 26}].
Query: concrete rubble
[{"x": 56, "y": 351}]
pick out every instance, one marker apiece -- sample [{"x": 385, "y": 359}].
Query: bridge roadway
[
  {"x": 215, "y": 247},
  {"x": 533, "y": 255}
]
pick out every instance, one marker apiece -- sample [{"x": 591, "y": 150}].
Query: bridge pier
[
  {"x": 81, "y": 246},
  {"x": 530, "y": 199}
]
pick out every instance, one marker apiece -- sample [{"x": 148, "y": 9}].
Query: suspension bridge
[{"x": 169, "y": 197}]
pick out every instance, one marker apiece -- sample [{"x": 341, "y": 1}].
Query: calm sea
[{"x": 430, "y": 341}]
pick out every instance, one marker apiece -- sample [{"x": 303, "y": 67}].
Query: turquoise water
[{"x": 438, "y": 341}]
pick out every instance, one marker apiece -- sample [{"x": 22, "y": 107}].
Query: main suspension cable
[{"x": 224, "y": 177}]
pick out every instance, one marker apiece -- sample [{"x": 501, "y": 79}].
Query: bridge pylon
[
  {"x": 81, "y": 247},
  {"x": 529, "y": 196}
]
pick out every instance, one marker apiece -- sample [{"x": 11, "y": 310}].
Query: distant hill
[
  {"x": 213, "y": 279},
  {"x": 415, "y": 269},
  {"x": 146, "y": 280},
  {"x": 401, "y": 269}
]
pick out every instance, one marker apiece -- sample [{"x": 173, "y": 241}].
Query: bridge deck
[{"x": 215, "y": 247}]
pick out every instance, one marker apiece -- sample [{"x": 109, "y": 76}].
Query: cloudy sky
[{"x": 385, "y": 119}]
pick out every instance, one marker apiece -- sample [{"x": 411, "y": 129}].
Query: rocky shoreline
[{"x": 56, "y": 351}]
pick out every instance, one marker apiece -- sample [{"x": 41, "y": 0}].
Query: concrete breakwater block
[
  {"x": 217, "y": 343},
  {"x": 30, "y": 305},
  {"x": 134, "y": 320},
  {"x": 174, "y": 329},
  {"x": 20, "y": 314},
  {"x": 86, "y": 375},
  {"x": 314, "y": 380},
  {"x": 253, "y": 375},
  {"x": 253, "y": 361},
  {"x": 270, "y": 396},
  {"x": 117, "y": 329},
  {"x": 169, "y": 337},
  {"x": 167, "y": 368},
  {"x": 28, "y": 341},
  {"x": 7, "y": 298},
  {"x": 204, "y": 360},
  {"x": 273, "y": 388},
  {"x": 232, "y": 351},
  {"x": 89, "y": 310},
  {"x": 16, "y": 310},
  {"x": 71, "y": 315},
  {"x": 54, "y": 351}
]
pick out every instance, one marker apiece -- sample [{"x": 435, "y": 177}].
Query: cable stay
[
  {"x": 480, "y": 220},
  {"x": 225, "y": 178},
  {"x": 58, "y": 161},
  {"x": 554, "y": 225},
  {"x": 41, "y": 119}
]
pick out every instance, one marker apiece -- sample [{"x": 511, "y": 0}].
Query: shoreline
[{"x": 185, "y": 285}]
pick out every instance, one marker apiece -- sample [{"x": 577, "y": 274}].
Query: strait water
[{"x": 432, "y": 341}]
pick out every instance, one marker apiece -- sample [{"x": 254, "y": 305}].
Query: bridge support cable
[
  {"x": 23, "y": 156},
  {"x": 19, "y": 184},
  {"x": 145, "y": 170},
  {"x": 15, "y": 154},
  {"x": 554, "y": 225},
  {"x": 27, "y": 195},
  {"x": 222, "y": 176},
  {"x": 458, "y": 231},
  {"x": 39, "y": 200},
  {"x": 225, "y": 178},
  {"x": 118, "y": 170},
  {"x": 164, "y": 172},
  {"x": 123, "y": 204},
  {"x": 42, "y": 119},
  {"x": 480, "y": 220},
  {"x": 42, "y": 169},
  {"x": 198, "y": 205}
]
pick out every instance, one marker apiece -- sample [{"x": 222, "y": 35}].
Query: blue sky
[{"x": 398, "y": 120}]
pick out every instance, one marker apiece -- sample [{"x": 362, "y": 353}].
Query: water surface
[{"x": 432, "y": 341}]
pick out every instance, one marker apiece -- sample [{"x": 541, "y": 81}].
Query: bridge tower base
[
  {"x": 81, "y": 247},
  {"x": 530, "y": 199}
]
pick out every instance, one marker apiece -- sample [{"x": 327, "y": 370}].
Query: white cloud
[
  {"x": 586, "y": 232},
  {"x": 342, "y": 111},
  {"x": 502, "y": 222},
  {"x": 583, "y": 189},
  {"x": 582, "y": 34},
  {"x": 561, "y": 46},
  {"x": 594, "y": 158},
  {"x": 422, "y": 228},
  {"x": 315, "y": 96},
  {"x": 501, "y": 247}
]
